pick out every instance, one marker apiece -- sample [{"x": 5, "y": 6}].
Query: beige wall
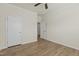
[
  {"x": 29, "y": 23},
  {"x": 3, "y": 40},
  {"x": 63, "y": 24}
]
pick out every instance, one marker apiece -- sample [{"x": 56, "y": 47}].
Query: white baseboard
[
  {"x": 26, "y": 42},
  {"x": 4, "y": 47},
  {"x": 64, "y": 44}
]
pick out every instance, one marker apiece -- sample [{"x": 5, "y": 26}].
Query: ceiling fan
[{"x": 46, "y": 6}]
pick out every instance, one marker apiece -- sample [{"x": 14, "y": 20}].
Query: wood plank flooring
[{"x": 40, "y": 48}]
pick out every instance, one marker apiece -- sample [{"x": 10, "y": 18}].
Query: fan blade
[
  {"x": 46, "y": 6},
  {"x": 37, "y": 4}
]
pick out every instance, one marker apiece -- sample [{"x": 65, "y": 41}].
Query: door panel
[
  {"x": 14, "y": 30},
  {"x": 44, "y": 30}
]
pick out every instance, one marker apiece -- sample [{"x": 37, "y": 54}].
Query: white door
[
  {"x": 45, "y": 30},
  {"x": 14, "y": 30}
]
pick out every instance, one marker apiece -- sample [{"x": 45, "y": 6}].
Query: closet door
[
  {"x": 44, "y": 30},
  {"x": 14, "y": 30}
]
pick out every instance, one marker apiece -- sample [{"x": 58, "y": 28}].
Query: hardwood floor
[{"x": 40, "y": 48}]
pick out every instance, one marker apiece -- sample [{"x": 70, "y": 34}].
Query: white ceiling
[{"x": 30, "y": 6}]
